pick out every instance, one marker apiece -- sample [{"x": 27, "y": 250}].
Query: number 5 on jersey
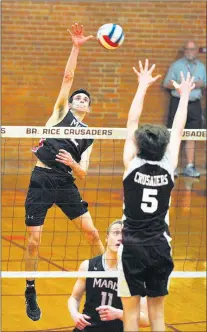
[{"x": 149, "y": 201}]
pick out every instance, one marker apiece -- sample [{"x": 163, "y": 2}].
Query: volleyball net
[{"x": 63, "y": 246}]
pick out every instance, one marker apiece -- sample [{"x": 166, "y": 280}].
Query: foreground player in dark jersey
[
  {"x": 150, "y": 158},
  {"x": 52, "y": 180},
  {"x": 103, "y": 308}
]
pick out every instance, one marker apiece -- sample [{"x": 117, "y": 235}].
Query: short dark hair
[
  {"x": 152, "y": 141},
  {"x": 70, "y": 99},
  {"x": 118, "y": 221}
]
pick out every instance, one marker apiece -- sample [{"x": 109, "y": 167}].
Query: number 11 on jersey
[{"x": 104, "y": 300}]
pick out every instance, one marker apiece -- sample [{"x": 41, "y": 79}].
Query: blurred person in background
[{"x": 188, "y": 63}]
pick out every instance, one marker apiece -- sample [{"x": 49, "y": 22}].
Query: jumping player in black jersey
[
  {"x": 150, "y": 158},
  {"x": 52, "y": 180},
  {"x": 103, "y": 308}
]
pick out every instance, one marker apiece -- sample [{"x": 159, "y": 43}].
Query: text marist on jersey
[
  {"x": 100, "y": 283},
  {"x": 148, "y": 180}
]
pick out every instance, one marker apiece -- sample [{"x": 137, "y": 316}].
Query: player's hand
[
  {"x": 77, "y": 35},
  {"x": 144, "y": 76},
  {"x": 64, "y": 157},
  {"x": 81, "y": 321},
  {"x": 186, "y": 85},
  {"x": 106, "y": 312}
]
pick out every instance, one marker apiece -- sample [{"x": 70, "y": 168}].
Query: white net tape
[
  {"x": 91, "y": 274},
  {"x": 77, "y": 132}
]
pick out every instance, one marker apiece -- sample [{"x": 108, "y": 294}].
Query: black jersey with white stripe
[
  {"x": 49, "y": 147},
  {"x": 101, "y": 291},
  {"x": 147, "y": 191}
]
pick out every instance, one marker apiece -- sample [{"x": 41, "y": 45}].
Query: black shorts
[
  {"x": 144, "y": 270},
  {"x": 48, "y": 187},
  {"x": 194, "y": 117}
]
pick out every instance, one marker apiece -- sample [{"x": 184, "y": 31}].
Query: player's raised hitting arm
[
  {"x": 145, "y": 79},
  {"x": 184, "y": 88},
  {"x": 61, "y": 105}
]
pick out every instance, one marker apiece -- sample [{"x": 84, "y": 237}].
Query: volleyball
[{"x": 110, "y": 36}]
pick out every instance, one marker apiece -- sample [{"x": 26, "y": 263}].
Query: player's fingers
[
  {"x": 146, "y": 65},
  {"x": 69, "y": 32},
  {"x": 77, "y": 28},
  {"x": 182, "y": 76},
  {"x": 140, "y": 66},
  {"x": 86, "y": 316},
  {"x": 193, "y": 86},
  {"x": 59, "y": 156},
  {"x": 80, "y": 326},
  {"x": 73, "y": 29},
  {"x": 85, "y": 322},
  {"x": 81, "y": 28},
  {"x": 89, "y": 37},
  {"x": 192, "y": 79},
  {"x": 103, "y": 307},
  {"x": 188, "y": 77},
  {"x": 60, "y": 161},
  {"x": 100, "y": 308},
  {"x": 156, "y": 78},
  {"x": 152, "y": 68},
  {"x": 62, "y": 155},
  {"x": 103, "y": 313},
  {"x": 136, "y": 72},
  {"x": 175, "y": 84}
]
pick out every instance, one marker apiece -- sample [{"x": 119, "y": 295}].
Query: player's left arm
[
  {"x": 81, "y": 320},
  {"x": 85, "y": 158},
  {"x": 145, "y": 79},
  {"x": 107, "y": 312},
  {"x": 79, "y": 169}
]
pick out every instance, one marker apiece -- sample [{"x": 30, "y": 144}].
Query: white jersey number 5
[{"x": 149, "y": 201}]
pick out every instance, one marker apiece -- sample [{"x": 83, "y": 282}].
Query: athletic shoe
[
  {"x": 191, "y": 172},
  {"x": 32, "y": 309}
]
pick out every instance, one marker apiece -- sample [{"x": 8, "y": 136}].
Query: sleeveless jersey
[
  {"x": 147, "y": 190},
  {"x": 49, "y": 147},
  {"x": 100, "y": 291}
]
